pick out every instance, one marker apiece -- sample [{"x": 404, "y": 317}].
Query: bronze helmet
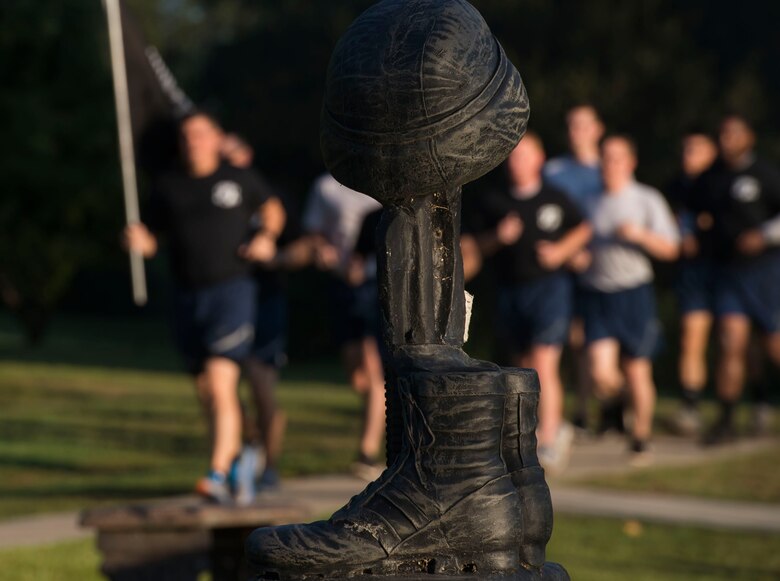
[{"x": 423, "y": 109}]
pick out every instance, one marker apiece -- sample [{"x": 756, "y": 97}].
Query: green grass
[
  {"x": 100, "y": 413},
  {"x": 590, "y": 549},
  {"x": 122, "y": 423},
  {"x": 73, "y": 436},
  {"x": 77, "y": 560},
  {"x": 611, "y": 550},
  {"x": 754, "y": 477}
]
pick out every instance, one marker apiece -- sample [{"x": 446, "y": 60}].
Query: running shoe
[{"x": 215, "y": 488}]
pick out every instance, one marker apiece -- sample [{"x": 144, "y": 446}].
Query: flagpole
[{"x": 126, "y": 152}]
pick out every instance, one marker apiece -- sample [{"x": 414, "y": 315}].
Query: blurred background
[{"x": 94, "y": 406}]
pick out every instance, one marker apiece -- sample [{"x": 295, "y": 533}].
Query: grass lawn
[
  {"x": 753, "y": 477},
  {"x": 73, "y": 436},
  {"x": 591, "y": 550},
  {"x": 100, "y": 413}
]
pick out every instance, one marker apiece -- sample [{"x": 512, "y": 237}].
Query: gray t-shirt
[
  {"x": 619, "y": 265},
  {"x": 337, "y": 212}
]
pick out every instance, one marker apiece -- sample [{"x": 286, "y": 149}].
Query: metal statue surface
[{"x": 420, "y": 100}]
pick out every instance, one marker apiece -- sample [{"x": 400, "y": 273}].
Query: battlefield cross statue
[{"x": 420, "y": 100}]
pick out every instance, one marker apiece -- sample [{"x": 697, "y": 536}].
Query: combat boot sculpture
[{"x": 421, "y": 99}]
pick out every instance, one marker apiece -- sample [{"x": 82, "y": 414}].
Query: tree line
[{"x": 653, "y": 67}]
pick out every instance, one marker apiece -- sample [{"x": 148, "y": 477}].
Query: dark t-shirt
[
  {"x": 366, "y": 245},
  {"x": 549, "y": 215},
  {"x": 205, "y": 220},
  {"x": 737, "y": 201},
  {"x": 680, "y": 192}
]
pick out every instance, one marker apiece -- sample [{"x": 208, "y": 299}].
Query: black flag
[{"x": 156, "y": 101}]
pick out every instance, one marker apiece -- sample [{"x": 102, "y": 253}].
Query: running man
[
  {"x": 203, "y": 211},
  {"x": 695, "y": 279},
  {"x": 269, "y": 353},
  {"x": 741, "y": 193},
  {"x": 578, "y": 175},
  {"x": 632, "y": 223},
  {"x": 332, "y": 220},
  {"x": 534, "y": 230}
]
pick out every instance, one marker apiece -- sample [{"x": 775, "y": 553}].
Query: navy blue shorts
[
  {"x": 270, "y": 345},
  {"x": 355, "y": 311},
  {"x": 535, "y": 313},
  {"x": 695, "y": 286},
  {"x": 628, "y": 316},
  {"x": 752, "y": 290},
  {"x": 215, "y": 321}
]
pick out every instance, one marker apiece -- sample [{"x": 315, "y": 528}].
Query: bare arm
[
  {"x": 273, "y": 217},
  {"x": 262, "y": 247},
  {"x": 553, "y": 255},
  {"x": 508, "y": 231},
  {"x": 657, "y": 246}
]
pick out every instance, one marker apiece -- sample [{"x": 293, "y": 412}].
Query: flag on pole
[
  {"x": 148, "y": 103},
  {"x": 156, "y": 100}
]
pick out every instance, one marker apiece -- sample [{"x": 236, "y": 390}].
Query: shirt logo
[
  {"x": 226, "y": 195},
  {"x": 549, "y": 217},
  {"x": 746, "y": 189}
]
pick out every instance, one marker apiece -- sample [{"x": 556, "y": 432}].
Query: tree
[{"x": 60, "y": 192}]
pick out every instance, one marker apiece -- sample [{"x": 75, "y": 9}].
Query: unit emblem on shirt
[
  {"x": 226, "y": 194},
  {"x": 746, "y": 189},
  {"x": 549, "y": 217}
]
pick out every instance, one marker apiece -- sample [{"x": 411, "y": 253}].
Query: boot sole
[{"x": 411, "y": 569}]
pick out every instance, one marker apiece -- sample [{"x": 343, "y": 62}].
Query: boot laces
[{"x": 419, "y": 435}]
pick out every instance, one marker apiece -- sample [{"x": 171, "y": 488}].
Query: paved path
[{"x": 324, "y": 494}]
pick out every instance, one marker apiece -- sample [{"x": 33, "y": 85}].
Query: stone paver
[
  {"x": 667, "y": 509},
  {"x": 42, "y": 529}
]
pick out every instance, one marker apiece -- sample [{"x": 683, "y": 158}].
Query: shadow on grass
[{"x": 141, "y": 343}]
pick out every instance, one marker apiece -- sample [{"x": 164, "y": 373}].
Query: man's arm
[
  {"x": 656, "y": 245},
  {"x": 553, "y": 255},
  {"x": 508, "y": 231},
  {"x": 661, "y": 238},
  {"x": 262, "y": 247},
  {"x": 755, "y": 241}
]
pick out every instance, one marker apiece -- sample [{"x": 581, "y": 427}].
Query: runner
[
  {"x": 742, "y": 195},
  {"x": 269, "y": 353},
  {"x": 578, "y": 174},
  {"x": 332, "y": 220},
  {"x": 695, "y": 279},
  {"x": 534, "y": 230},
  {"x": 203, "y": 212},
  {"x": 631, "y": 224}
]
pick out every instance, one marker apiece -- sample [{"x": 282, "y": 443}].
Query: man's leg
[
  {"x": 374, "y": 411},
  {"x": 734, "y": 337},
  {"x": 604, "y": 368},
  {"x": 694, "y": 338},
  {"x": 582, "y": 371},
  {"x": 639, "y": 379},
  {"x": 271, "y": 421},
  {"x": 696, "y": 326},
  {"x": 352, "y": 358},
  {"x": 220, "y": 378},
  {"x": 546, "y": 360}
]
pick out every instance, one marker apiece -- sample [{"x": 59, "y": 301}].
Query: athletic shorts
[
  {"x": 628, "y": 316},
  {"x": 695, "y": 286},
  {"x": 752, "y": 290},
  {"x": 270, "y": 345},
  {"x": 215, "y": 321},
  {"x": 355, "y": 311},
  {"x": 535, "y": 313}
]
